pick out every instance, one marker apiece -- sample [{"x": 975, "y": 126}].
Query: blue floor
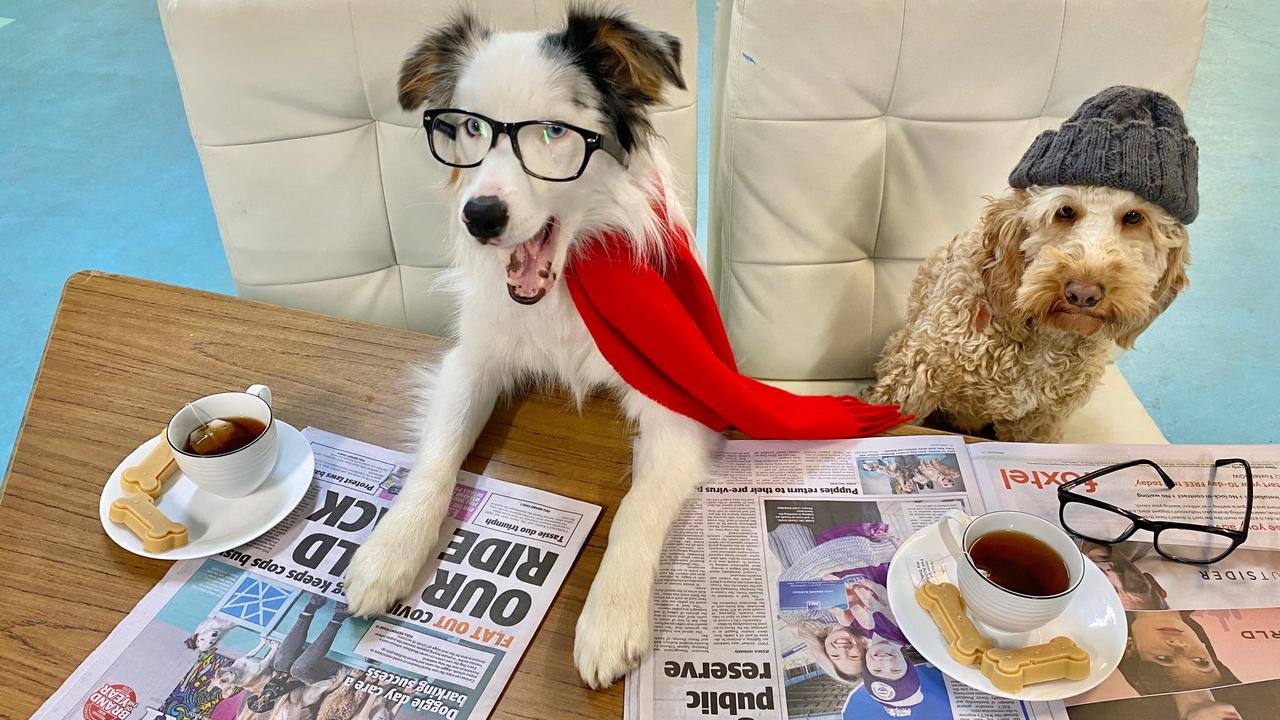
[{"x": 97, "y": 170}]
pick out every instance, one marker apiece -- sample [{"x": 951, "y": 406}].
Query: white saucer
[
  {"x": 215, "y": 523},
  {"x": 1094, "y": 619}
]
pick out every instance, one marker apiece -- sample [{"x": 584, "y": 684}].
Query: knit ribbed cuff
[{"x": 1157, "y": 163}]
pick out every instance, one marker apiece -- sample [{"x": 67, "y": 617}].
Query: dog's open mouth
[{"x": 529, "y": 274}]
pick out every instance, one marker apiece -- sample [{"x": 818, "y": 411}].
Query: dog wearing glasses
[
  {"x": 550, "y": 139},
  {"x": 1011, "y": 324}
]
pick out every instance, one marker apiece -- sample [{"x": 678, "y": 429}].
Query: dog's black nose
[
  {"x": 485, "y": 217},
  {"x": 1083, "y": 295}
]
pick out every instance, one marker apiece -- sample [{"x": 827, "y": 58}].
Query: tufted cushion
[
  {"x": 323, "y": 187},
  {"x": 853, "y": 137}
]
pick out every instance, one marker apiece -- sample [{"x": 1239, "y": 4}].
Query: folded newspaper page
[
  {"x": 1204, "y": 640},
  {"x": 262, "y": 632},
  {"x": 772, "y": 583}
]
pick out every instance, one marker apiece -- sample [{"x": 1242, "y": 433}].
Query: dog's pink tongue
[{"x": 529, "y": 275}]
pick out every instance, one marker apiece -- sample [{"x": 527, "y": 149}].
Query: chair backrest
[
  {"x": 323, "y": 187},
  {"x": 850, "y": 137}
]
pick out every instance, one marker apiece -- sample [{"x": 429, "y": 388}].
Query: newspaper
[
  {"x": 754, "y": 609},
  {"x": 1204, "y": 639},
  {"x": 262, "y": 631},
  {"x": 753, "y": 616}
]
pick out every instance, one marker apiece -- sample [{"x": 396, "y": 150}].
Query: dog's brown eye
[
  {"x": 1133, "y": 217},
  {"x": 1066, "y": 212}
]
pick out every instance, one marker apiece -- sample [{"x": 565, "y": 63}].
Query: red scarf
[{"x": 661, "y": 331}]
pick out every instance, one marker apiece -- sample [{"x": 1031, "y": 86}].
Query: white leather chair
[
  {"x": 324, "y": 190},
  {"x": 850, "y": 137}
]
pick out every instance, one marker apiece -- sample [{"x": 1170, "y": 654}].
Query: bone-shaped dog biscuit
[
  {"x": 148, "y": 476},
  {"x": 138, "y": 512},
  {"x": 945, "y": 605},
  {"x": 1059, "y": 658}
]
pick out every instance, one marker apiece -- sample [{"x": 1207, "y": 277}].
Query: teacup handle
[
  {"x": 949, "y": 538},
  {"x": 261, "y": 391}
]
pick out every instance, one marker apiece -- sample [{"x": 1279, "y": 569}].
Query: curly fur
[{"x": 990, "y": 337}]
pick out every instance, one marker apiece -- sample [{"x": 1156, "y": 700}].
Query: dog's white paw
[
  {"x": 380, "y": 573},
  {"x": 612, "y": 633}
]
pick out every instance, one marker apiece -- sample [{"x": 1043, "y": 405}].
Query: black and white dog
[{"x": 519, "y": 219}]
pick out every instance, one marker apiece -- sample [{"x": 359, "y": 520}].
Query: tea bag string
[{"x": 204, "y": 419}]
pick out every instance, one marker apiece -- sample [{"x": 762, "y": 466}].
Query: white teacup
[
  {"x": 994, "y": 605},
  {"x": 236, "y": 473}
]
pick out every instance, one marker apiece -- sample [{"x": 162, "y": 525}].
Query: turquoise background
[{"x": 97, "y": 170}]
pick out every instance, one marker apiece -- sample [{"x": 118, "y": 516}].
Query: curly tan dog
[{"x": 1011, "y": 324}]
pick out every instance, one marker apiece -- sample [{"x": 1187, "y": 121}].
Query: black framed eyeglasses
[
  {"x": 1101, "y": 522},
  {"x": 546, "y": 149}
]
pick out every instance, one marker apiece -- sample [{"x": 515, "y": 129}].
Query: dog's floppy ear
[
  {"x": 430, "y": 71},
  {"x": 1173, "y": 281},
  {"x": 1002, "y": 262},
  {"x": 629, "y": 65}
]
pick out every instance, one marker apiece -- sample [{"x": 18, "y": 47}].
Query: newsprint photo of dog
[{"x": 1011, "y": 324}]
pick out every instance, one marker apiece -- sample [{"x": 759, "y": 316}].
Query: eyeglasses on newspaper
[
  {"x": 1101, "y": 522},
  {"x": 546, "y": 149}
]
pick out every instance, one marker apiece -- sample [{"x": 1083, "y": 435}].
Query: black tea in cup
[{"x": 1020, "y": 563}]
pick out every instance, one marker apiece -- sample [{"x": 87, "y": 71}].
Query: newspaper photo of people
[
  {"x": 1178, "y": 651},
  {"x": 1144, "y": 580},
  {"x": 1138, "y": 590},
  {"x": 1252, "y": 701},
  {"x": 238, "y": 646},
  {"x": 847, "y": 658},
  {"x": 910, "y": 474}
]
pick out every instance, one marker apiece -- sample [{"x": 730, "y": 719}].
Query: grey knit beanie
[{"x": 1123, "y": 137}]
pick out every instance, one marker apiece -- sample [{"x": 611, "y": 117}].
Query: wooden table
[{"x": 124, "y": 354}]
